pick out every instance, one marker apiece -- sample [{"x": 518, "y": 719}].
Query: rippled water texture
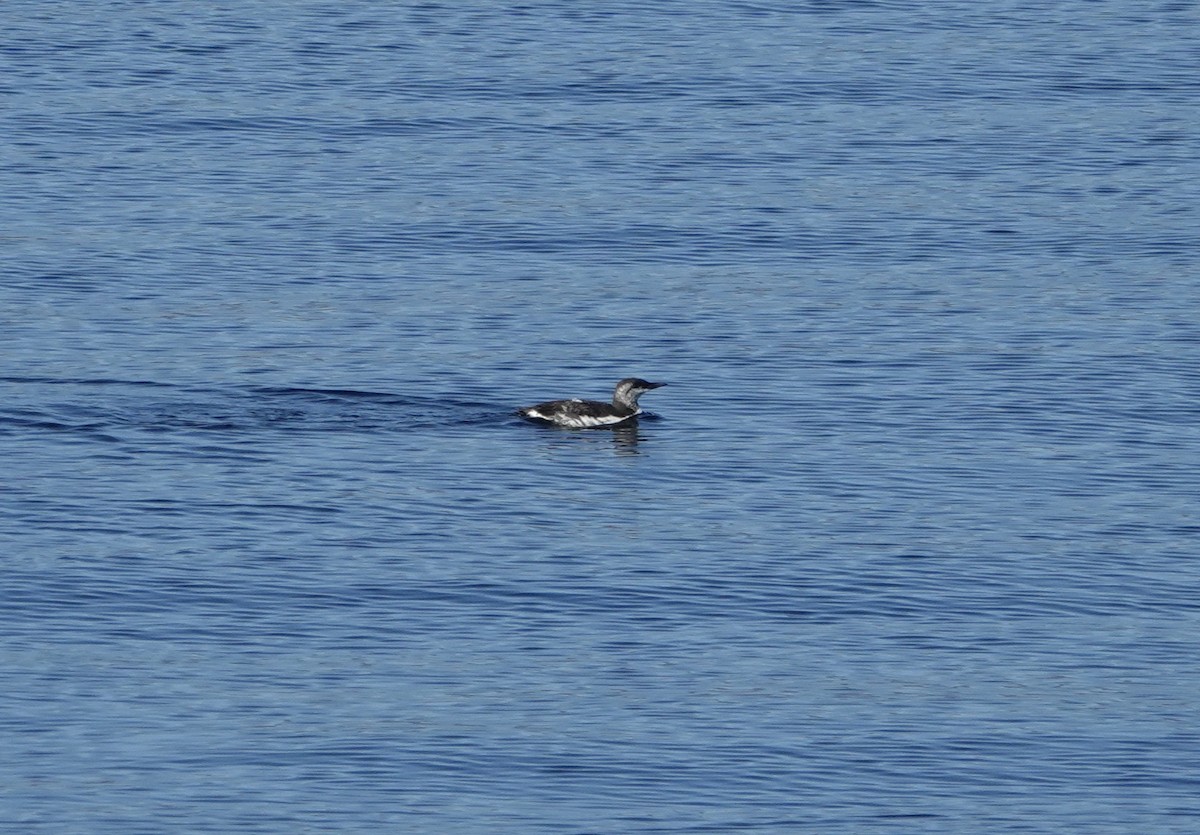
[{"x": 907, "y": 544}]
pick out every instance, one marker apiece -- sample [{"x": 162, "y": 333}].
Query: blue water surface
[{"x": 907, "y": 544}]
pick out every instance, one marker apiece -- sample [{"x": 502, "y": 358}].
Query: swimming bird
[{"x": 592, "y": 414}]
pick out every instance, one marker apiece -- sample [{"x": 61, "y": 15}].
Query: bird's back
[{"x": 578, "y": 414}]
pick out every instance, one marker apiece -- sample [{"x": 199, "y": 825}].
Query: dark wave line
[
  {"x": 95, "y": 381},
  {"x": 188, "y": 407}
]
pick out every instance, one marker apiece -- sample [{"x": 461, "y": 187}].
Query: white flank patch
[
  {"x": 577, "y": 421},
  {"x": 591, "y": 422},
  {"x": 587, "y": 421}
]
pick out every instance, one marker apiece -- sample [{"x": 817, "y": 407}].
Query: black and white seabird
[{"x": 592, "y": 414}]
